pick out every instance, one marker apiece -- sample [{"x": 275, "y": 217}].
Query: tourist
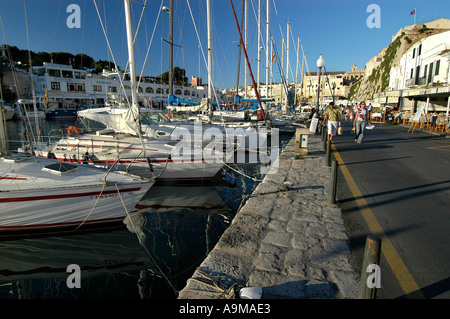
[
  {"x": 334, "y": 119},
  {"x": 359, "y": 123}
]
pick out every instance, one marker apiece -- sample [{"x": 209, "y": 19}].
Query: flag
[
  {"x": 413, "y": 12},
  {"x": 274, "y": 57},
  {"x": 46, "y": 98}
]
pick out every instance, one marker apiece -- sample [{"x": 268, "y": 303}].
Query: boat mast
[
  {"x": 240, "y": 48},
  {"x": 248, "y": 63},
  {"x": 171, "y": 48},
  {"x": 4, "y": 147},
  {"x": 267, "y": 49},
  {"x": 245, "y": 46},
  {"x": 208, "y": 10},
  {"x": 132, "y": 63},
  {"x": 259, "y": 44}
]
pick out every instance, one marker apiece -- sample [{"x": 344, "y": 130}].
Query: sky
[{"x": 345, "y": 32}]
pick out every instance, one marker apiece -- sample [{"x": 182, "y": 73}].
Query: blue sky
[{"x": 337, "y": 29}]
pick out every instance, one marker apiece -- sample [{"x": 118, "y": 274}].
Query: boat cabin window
[
  {"x": 59, "y": 168},
  {"x": 149, "y": 118}
]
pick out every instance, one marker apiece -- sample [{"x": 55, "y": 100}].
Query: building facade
[
  {"x": 62, "y": 82},
  {"x": 335, "y": 84},
  {"x": 421, "y": 77}
]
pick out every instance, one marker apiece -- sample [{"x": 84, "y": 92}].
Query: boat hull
[
  {"x": 61, "y": 114},
  {"x": 73, "y": 206}
]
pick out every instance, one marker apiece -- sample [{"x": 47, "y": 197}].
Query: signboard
[
  {"x": 416, "y": 117},
  {"x": 313, "y": 125}
]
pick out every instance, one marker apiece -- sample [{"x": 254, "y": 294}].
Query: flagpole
[{"x": 415, "y": 12}]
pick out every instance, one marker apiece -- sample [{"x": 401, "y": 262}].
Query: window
[
  {"x": 178, "y": 92},
  {"x": 186, "y": 92},
  {"x": 67, "y": 74},
  {"x": 420, "y": 49},
  {"x": 414, "y": 53},
  {"x": 97, "y": 88},
  {"x": 52, "y": 72},
  {"x": 159, "y": 91},
  {"x": 148, "y": 90},
  {"x": 438, "y": 63},
  {"x": 75, "y": 87},
  {"x": 55, "y": 86},
  {"x": 412, "y": 71},
  {"x": 79, "y": 75},
  {"x": 59, "y": 168},
  {"x": 430, "y": 74},
  {"x": 112, "y": 89},
  {"x": 417, "y": 74}
]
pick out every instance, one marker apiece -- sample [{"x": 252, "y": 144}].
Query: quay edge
[{"x": 287, "y": 240}]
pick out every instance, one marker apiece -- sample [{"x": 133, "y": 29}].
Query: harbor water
[{"x": 149, "y": 256}]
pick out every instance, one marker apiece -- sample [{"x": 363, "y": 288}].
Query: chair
[
  {"x": 424, "y": 121},
  {"x": 413, "y": 124},
  {"x": 440, "y": 124},
  {"x": 406, "y": 116}
]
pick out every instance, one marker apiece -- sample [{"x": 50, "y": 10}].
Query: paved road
[{"x": 397, "y": 186}]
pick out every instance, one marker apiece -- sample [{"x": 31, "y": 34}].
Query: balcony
[{"x": 416, "y": 81}]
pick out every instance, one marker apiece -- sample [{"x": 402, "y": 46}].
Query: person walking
[
  {"x": 334, "y": 119},
  {"x": 359, "y": 123}
]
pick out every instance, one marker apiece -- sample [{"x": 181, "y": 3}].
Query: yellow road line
[{"x": 394, "y": 260}]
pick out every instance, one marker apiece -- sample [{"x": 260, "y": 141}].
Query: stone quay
[{"x": 288, "y": 239}]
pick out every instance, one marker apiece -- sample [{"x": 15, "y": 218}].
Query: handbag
[{"x": 339, "y": 130}]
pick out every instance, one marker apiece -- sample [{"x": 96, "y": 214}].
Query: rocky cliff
[{"x": 378, "y": 81}]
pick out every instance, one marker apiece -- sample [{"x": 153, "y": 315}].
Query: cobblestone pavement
[{"x": 288, "y": 240}]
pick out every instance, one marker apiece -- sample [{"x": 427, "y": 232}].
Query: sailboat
[
  {"x": 40, "y": 193},
  {"x": 127, "y": 139}
]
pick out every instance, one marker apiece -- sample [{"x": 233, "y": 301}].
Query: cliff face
[{"x": 378, "y": 81}]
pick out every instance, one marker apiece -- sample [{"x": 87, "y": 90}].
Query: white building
[
  {"x": 421, "y": 77},
  {"x": 425, "y": 64},
  {"x": 62, "y": 82}
]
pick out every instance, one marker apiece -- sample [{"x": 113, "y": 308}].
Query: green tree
[{"x": 84, "y": 61}]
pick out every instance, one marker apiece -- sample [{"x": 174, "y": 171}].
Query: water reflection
[{"x": 149, "y": 256}]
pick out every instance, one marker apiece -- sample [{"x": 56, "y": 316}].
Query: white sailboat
[
  {"x": 40, "y": 193},
  {"x": 37, "y": 193},
  {"x": 140, "y": 150},
  {"x": 143, "y": 157}
]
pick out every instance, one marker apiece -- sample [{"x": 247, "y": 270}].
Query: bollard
[
  {"x": 325, "y": 137},
  {"x": 367, "y": 288},
  {"x": 333, "y": 183},
  {"x": 322, "y": 132},
  {"x": 328, "y": 154}
]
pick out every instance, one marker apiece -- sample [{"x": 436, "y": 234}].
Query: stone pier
[{"x": 288, "y": 240}]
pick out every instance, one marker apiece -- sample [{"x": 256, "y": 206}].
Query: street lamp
[{"x": 320, "y": 64}]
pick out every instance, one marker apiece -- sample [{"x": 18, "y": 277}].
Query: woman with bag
[{"x": 359, "y": 123}]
